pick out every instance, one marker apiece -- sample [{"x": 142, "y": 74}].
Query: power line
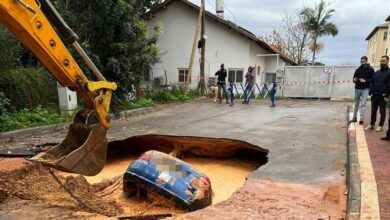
[
  {"x": 211, "y": 5},
  {"x": 235, "y": 21}
]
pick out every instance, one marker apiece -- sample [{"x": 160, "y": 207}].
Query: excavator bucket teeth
[{"x": 83, "y": 151}]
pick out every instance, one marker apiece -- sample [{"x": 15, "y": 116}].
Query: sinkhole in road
[{"x": 226, "y": 162}]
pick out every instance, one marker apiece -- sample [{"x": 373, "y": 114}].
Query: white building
[{"x": 226, "y": 43}]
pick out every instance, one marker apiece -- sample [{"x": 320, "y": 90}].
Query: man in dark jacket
[
  {"x": 387, "y": 93},
  {"x": 362, "y": 79},
  {"x": 249, "y": 83},
  {"x": 379, "y": 91},
  {"x": 222, "y": 74}
]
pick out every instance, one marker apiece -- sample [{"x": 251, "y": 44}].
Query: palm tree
[{"x": 317, "y": 21}]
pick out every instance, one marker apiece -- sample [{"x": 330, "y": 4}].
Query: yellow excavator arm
[{"x": 84, "y": 149}]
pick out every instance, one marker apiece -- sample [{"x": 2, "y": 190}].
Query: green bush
[
  {"x": 28, "y": 88},
  {"x": 174, "y": 95},
  {"x": 26, "y": 118},
  {"x": 4, "y": 104},
  {"x": 139, "y": 103}
]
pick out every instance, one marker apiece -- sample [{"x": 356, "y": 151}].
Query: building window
[
  {"x": 183, "y": 74},
  {"x": 270, "y": 77},
  {"x": 236, "y": 75},
  {"x": 386, "y": 51},
  {"x": 385, "y": 36}
]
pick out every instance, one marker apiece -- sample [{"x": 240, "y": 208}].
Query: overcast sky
[{"x": 354, "y": 18}]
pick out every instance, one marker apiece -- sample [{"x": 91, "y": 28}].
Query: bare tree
[
  {"x": 299, "y": 36},
  {"x": 292, "y": 39}
]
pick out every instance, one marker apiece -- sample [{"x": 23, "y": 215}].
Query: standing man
[
  {"x": 272, "y": 94},
  {"x": 387, "y": 94},
  {"x": 249, "y": 82},
  {"x": 222, "y": 74},
  {"x": 362, "y": 79},
  {"x": 379, "y": 91},
  {"x": 387, "y": 137},
  {"x": 231, "y": 90}
]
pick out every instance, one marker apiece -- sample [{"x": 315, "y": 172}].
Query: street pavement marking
[{"x": 369, "y": 208}]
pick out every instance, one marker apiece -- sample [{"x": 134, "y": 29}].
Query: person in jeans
[
  {"x": 387, "y": 137},
  {"x": 362, "y": 79},
  {"x": 379, "y": 91},
  {"x": 387, "y": 94},
  {"x": 231, "y": 90},
  {"x": 222, "y": 74},
  {"x": 249, "y": 82},
  {"x": 272, "y": 94}
]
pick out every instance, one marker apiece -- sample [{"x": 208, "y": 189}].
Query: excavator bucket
[{"x": 84, "y": 149}]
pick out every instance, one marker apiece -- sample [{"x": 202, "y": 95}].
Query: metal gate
[{"x": 318, "y": 82}]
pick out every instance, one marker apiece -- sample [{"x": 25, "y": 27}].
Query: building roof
[
  {"x": 228, "y": 24},
  {"x": 382, "y": 26},
  {"x": 388, "y": 18}
]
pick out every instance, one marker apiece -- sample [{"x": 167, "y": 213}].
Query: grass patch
[
  {"x": 40, "y": 116},
  {"x": 27, "y": 119},
  {"x": 139, "y": 103},
  {"x": 160, "y": 97},
  {"x": 174, "y": 95}
]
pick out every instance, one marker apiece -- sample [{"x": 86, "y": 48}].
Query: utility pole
[
  {"x": 189, "y": 75},
  {"x": 203, "y": 51}
]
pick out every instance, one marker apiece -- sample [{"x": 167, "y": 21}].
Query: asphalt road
[{"x": 306, "y": 138}]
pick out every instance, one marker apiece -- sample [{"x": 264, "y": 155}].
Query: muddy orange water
[{"x": 226, "y": 175}]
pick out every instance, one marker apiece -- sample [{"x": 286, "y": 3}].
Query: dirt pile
[{"x": 37, "y": 183}]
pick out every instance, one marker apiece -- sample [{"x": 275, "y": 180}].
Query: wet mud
[
  {"x": 226, "y": 162},
  {"x": 259, "y": 199}
]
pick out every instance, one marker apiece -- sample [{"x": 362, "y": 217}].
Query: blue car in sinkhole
[{"x": 173, "y": 179}]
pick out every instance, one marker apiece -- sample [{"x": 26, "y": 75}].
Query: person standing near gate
[
  {"x": 379, "y": 91},
  {"x": 272, "y": 94},
  {"x": 362, "y": 79},
  {"x": 249, "y": 82},
  {"x": 231, "y": 90},
  {"x": 222, "y": 74}
]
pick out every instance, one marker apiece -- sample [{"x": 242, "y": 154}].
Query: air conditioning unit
[{"x": 159, "y": 81}]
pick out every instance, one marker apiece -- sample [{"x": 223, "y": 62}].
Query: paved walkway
[{"x": 380, "y": 157}]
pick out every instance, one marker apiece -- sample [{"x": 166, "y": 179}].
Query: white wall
[
  {"x": 223, "y": 45},
  {"x": 258, "y": 62},
  {"x": 175, "y": 42}
]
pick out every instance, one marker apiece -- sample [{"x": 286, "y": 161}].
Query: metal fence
[{"x": 317, "y": 82}]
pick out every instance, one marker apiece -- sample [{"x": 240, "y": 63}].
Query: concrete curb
[
  {"x": 140, "y": 111},
  {"x": 61, "y": 126},
  {"x": 353, "y": 176},
  {"x": 29, "y": 131}
]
